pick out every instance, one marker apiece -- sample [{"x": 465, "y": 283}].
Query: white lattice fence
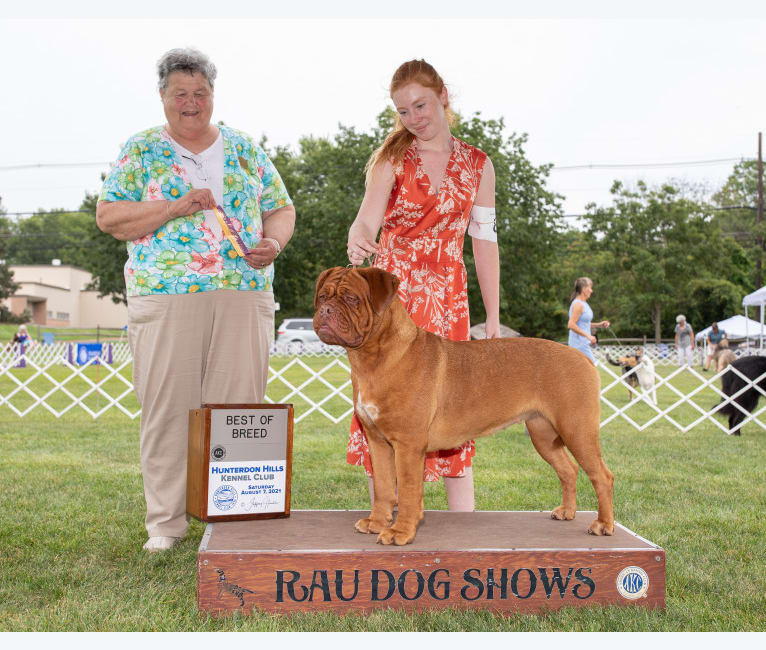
[
  {"x": 675, "y": 398},
  {"x": 661, "y": 354},
  {"x": 58, "y": 386},
  {"x": 316, "y": 379}
]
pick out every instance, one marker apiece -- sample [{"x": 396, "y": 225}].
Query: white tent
[
  {"x": 756, "y": 299},
  {"x": 737, "y": 328}
]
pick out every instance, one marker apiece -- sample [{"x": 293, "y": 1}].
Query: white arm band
[{"x": 482, "y": 224}]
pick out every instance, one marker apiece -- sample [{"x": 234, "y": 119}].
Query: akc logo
[
  {"x": 632, "y": 583},
  {"x": 218, "y": 453},
  {"x": 225, "y": 497}
]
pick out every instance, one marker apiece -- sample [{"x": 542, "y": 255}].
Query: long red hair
[{"x": 399, "y": 140}]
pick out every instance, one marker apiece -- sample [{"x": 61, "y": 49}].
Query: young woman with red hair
[{"x": 425, "y": 189}]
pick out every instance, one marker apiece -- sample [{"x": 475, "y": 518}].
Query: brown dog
[
  {"x": 723, "y": 356},
  {"x": 416, "y": 392}
]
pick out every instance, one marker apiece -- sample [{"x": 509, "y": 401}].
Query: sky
[{"x": 590, "y": 84}]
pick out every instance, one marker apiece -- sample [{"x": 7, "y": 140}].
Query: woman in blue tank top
[{"x": 580, "y": 317}]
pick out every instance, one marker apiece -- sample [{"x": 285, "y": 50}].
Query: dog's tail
[{"x": 612, "y": 361}]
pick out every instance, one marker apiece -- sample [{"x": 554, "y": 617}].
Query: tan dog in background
[
  {"x": 723, "y": 355},
  {"x": 416, "y": 392},
  {"x": 642, "y": 376}
]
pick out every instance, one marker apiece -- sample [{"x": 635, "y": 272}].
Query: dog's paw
[
  {"x": 600, "y": 528},
  {"x": 362, "y": 526},
  {"x": 370, "y": 525},
  {"x": 563, "y": 514},
  {"x": 397, "y": 537}
]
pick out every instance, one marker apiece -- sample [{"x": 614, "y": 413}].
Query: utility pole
[{"x": 760, "y": 207}]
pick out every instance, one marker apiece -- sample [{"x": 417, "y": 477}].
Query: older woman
[{"x": 200, "y": 301}]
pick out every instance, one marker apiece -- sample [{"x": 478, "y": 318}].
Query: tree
[
  {"x": 737, "y": 201},
  {"x": 106, "y": 256},
  {"x": 45, "y": 236},
  {"x": 74, "y": 238},
  {"x": 660, "y": 242},
  {"x": 326, "y": 181},
  {"x": 529, "y": 230},
  {"x": 7, "y": 286}
]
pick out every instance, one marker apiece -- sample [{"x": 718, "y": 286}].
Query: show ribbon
[{"x": 229, "y": 232}]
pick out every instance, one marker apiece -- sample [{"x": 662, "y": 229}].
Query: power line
[
  {"x": 689, "y": 163},
  {"x": 5, "y": 168},
  {"x": 53, "y": 211},
  {"x": 721, "y": 209}
]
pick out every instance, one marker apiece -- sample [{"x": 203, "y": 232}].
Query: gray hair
[{"x": 185, "y": 59}]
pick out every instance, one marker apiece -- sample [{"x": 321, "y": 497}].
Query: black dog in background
[{"x": 752, "y": 368}]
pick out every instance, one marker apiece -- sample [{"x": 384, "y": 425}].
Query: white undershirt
[{"x": 205, "y": 170}]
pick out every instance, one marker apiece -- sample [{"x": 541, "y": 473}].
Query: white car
[{"x": 297, "y": 330}]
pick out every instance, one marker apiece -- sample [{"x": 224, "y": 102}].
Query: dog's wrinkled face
[{"x": 347, "y": 302}]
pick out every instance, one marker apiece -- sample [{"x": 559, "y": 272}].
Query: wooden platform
[{"x": 502, "y": 561}]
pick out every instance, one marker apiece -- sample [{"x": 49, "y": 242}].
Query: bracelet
[{"x": 276, "y": 244}]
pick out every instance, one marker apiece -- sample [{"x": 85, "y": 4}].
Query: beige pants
[{"x": 191, "y": 349}]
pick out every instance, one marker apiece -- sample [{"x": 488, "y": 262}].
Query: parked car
[{"x": 297, "y": 330}]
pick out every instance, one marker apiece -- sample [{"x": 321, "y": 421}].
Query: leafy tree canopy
[{"x": 658, "y": 254}]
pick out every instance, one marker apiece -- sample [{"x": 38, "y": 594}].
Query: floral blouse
[{"x": 184, "y": 255}]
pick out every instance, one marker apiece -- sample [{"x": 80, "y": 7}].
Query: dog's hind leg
[
  {"x": 550, "y": 446},
  {"x": 587, "y": 452}
]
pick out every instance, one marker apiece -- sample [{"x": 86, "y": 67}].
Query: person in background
[
  {"x": 714, "y": 338},
  {"x": 425, "y": 189},
  {"x": 684, "y": 341},
  {"x": 580, "y": 323},
  {"x": 21, "y": 336},
  {"x": 200, "y": 305}
]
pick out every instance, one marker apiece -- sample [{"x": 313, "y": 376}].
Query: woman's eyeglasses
[{"x": 199, "y": 167}]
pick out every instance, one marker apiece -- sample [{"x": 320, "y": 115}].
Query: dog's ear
[
  {"x": 320, "y": 281},
  {"x": 383, "y": 287}
]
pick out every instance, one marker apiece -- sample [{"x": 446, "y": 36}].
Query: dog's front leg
[
  {"x": 384, "y": 487},
  {"x": 410, "y": 462}
]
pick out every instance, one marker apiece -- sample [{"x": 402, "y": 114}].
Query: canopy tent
[
  {"x": 737, "y": 328},
  {"x": 756, "y": 299}
]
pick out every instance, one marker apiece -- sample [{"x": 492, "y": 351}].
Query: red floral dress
[{"x": 422, "y": 244}]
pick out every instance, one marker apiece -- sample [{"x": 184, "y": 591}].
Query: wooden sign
[
  {"x": 500, "y": 561},
  {"x": 240, "y": 461}
]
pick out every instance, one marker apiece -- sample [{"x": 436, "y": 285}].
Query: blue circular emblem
[
  {"x": 633, "y": 583},
  {"x": 225, "y": 497}
]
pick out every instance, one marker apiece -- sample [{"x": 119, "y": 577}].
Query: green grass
[{"x": 71, "y": 526}]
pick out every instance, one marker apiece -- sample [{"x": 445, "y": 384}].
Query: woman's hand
[
  {"x": 492, "y": 329},
  {"x": 360, "y": 248},
  {"x": 191, "y": 202},
  {"x": 262, "y": 255},
  {"x": 593, "y": 340}
]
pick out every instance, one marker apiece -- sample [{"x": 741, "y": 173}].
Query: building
[{"x": 56, "y": 295}]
